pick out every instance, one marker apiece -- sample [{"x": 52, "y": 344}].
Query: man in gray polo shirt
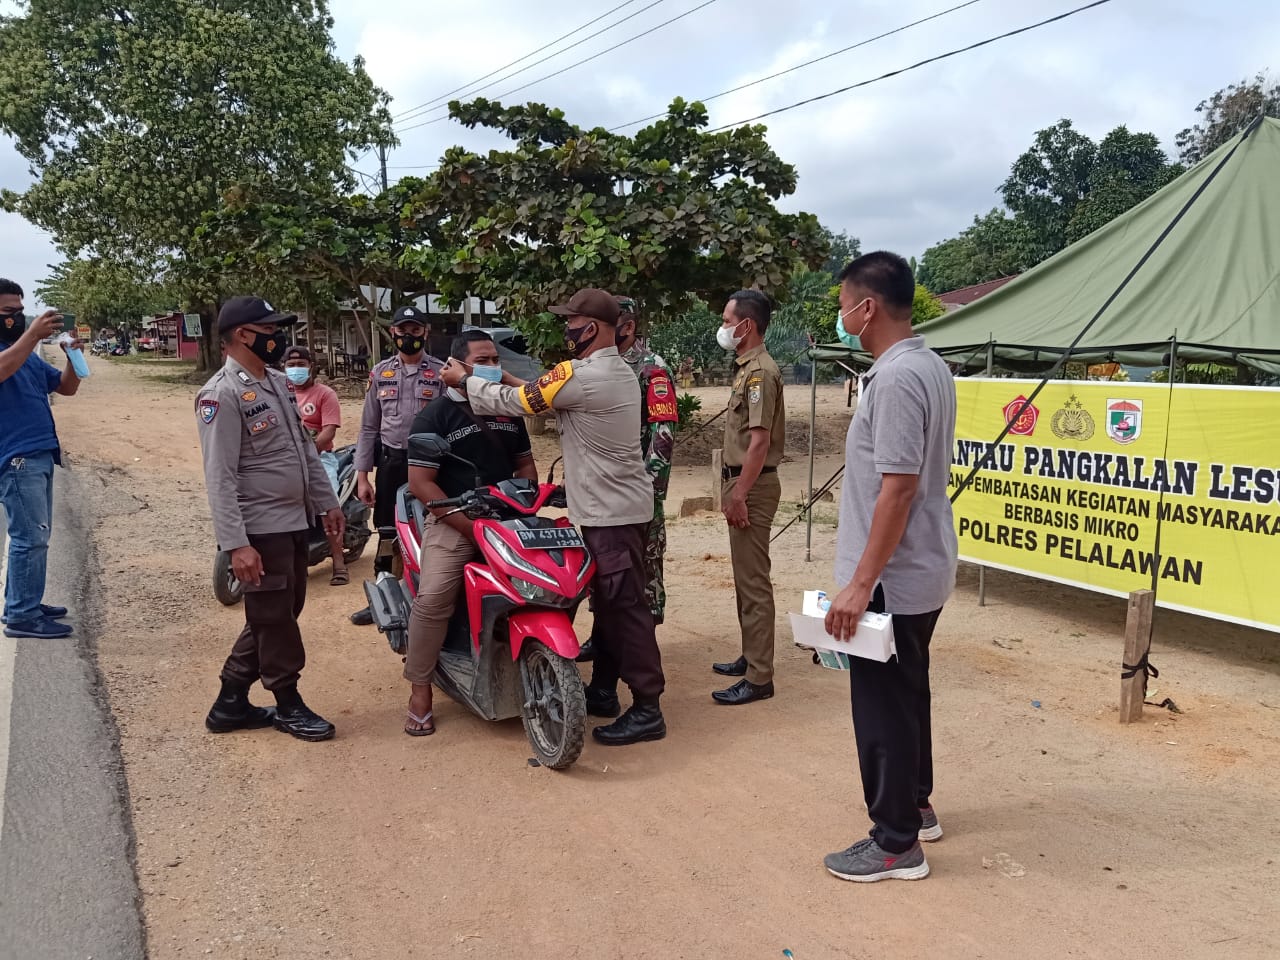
[{"x": 896, "y": 554}]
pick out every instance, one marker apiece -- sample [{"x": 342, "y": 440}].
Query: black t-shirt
[{"x": 496, "y": 461}]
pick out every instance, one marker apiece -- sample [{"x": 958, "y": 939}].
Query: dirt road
[{"x": 1066, "y": 835}]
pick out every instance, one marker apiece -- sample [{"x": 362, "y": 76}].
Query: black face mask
[
  {"x": 12, "y": 326},
  {"x": 576, "y": 338},
  {"x": 409, "y": 346},
  {"x": 268, "y": 347}
]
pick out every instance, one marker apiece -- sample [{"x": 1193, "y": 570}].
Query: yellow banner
[{"x": 1092, "y": 473}]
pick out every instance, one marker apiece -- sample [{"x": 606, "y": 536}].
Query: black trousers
[
  {"x": 625, "y": 639},
  {"x": 891, "y": 725},
  {"x": 393, "y": 473},
  {"x": 269, "y": 647}
]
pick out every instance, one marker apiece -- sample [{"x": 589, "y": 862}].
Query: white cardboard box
[{"x": 873, "y": 641}]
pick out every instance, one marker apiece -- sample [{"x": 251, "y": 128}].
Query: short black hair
[
  {"x": 460, "y": 349},
  {"x": 884, "y": 274},
  {"x": 9, "y": 289},
  {"x": 752, "y": 305}
]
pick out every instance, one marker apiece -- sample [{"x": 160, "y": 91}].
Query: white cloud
[{"x": 901, "y": 163}]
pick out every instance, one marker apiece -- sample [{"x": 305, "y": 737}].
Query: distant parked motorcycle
[{"x": 230, "y": 591}]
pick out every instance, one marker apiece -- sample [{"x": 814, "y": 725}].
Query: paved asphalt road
[{"x": 67, "y": 886}]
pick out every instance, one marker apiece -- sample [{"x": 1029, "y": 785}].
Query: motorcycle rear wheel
[
  {"x": 226, "y": 587},
  {"x": 554, "y": 708}
]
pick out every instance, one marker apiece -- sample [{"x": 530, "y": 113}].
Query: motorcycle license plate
[{"x": 550, "y": 538}]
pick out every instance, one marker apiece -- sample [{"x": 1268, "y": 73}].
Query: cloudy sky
[{"x": 901, "y": 163}]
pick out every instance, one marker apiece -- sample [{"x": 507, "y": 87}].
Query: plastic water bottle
[{"x": 76, "y": 356}]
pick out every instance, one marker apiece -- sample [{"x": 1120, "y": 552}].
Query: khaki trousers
[
  {"x": 752, "y": 584},
  {"x": 445, "y": 553}
]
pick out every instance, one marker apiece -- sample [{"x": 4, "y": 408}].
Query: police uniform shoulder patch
[
  {"x": 755, "y": 388},
  {"x": 244, "y": 377},
  {"x": 207, "y": 409},
  {"x": 537, "y": 397}
]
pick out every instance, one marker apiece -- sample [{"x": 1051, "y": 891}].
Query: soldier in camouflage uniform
[{"x": 657, "y": 441}]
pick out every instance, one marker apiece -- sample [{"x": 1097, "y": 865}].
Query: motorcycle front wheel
[
  {"x": 554, "y": 709},
  {"x": 226, "y": 587}
]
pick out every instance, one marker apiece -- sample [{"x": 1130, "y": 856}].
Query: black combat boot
[{"x": 233, "y": 711}]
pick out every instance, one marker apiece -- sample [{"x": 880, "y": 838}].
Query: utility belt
[
  {"x": 731, "y": 473},
  {"x": 391, "y": 456}
]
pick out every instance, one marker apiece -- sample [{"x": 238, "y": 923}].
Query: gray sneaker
[
  {"x": 930, "y": 829},
  {"x": 866, "y": 862}
]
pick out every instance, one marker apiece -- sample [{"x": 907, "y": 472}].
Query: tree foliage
[
  {"x": 137, "y": 118},
  {"x": 925, "y": 306},
  {"x": 1061, "y": 189},
  {"x": 1224, "y": 114},
  {"x": 669, "y": 216},
  {"x": 841, "y": 249},
  {"x": 104, "y": 293}
]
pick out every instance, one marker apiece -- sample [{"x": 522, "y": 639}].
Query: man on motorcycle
[
  {"x": 598, "y": 412},
  {"x": 500, "y": 449},
  {"x": 398, "y": 389},
  {"x": 322, "y": 416}
]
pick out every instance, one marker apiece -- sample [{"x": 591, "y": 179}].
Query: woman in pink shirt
[{"x": 322, "y": 416}]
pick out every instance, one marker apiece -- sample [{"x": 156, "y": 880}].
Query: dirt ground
[{"x": 1066, "y": 834}]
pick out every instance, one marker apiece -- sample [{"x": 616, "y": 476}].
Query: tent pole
[
  {"x": 813, "y": 422},
  {"x": 982, "y": 570}
]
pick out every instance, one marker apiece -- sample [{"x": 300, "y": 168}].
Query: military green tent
[{"x": 1212, "y": 286}]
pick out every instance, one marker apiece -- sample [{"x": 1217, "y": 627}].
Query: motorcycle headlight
[
  {"x": 534, "y": 593},
  {"x": 512, "y": 558}
]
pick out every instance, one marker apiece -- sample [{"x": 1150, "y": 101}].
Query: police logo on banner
[{"x": 1124, "y": 420}]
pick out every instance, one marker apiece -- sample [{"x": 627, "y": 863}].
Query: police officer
[
  {"x": 754, "y": 435},
  {"x": 398, "y": 389},
  {"x": 265, "y": 484},
  {"x": 597, "y": 410},
  {"x": 657, "y": 443}
]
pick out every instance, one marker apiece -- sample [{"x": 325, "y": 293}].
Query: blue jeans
[{"x": 26, "y": 490}]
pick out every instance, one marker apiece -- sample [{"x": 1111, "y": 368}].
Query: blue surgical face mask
[
  {"x": 851, "y": 340},
  {"x": 492, "y": 373},
  {"x": 298, "y": 375}
]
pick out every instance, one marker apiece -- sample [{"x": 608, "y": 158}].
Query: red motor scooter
[{"x": 510, "y": 649}]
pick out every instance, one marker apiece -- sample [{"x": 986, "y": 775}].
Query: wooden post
[
  {"x": 717, "y": 471},
  {"x": 1137, "y": 644}
]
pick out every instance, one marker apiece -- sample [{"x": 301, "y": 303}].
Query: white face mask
[
  {"x": 725, "y": 337},
  {"x": 454, "y": 394}
]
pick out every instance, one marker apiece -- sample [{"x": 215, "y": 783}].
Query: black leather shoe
[
  {"x": 233, "y": 711},
  {"x": 303, "y": 722},
  {"x": 744, "y": 691},
  {"x": 638, "y": 724},
  {"x": 586, "y": 655},
  {"x": 362, "y": 618},
  {"x": 736, "y": 668},
  {"x": 601, "y": 703}
]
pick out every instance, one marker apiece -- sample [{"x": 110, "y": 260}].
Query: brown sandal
[
  {"x": 426, "y": 727},
  {"x": 340, "y": 579}
]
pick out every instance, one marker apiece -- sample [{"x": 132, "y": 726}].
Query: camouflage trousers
[{"x": 655, "y": 546}]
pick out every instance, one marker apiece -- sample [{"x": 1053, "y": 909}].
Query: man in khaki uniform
[
  {"x": 754, "y": 435},
  {"x": 598, "y": 412}
]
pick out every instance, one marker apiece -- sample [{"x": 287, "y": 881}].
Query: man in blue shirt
[{"x": 28, "y": 451}]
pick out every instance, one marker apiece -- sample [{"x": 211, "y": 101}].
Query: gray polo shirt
[{"x": 905, "y": 423}]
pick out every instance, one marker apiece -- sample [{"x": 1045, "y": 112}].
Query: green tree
[
  {"x": 1047, "y": 183},
  {"x": 669, "y": 216},
  {"x": 925, "y": 306},
  {"x": 1128, "y": 168},
  {"x": 1225, "y": 113},
  {"x": 104, "y": 293},
  {"x": 138, "y": 117},
  {"x": 996, "y": 245},
  {"x": 325, "y": 245},
  {"x": 691, "y": 333},
  {"x": 842, "y": 249}
]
